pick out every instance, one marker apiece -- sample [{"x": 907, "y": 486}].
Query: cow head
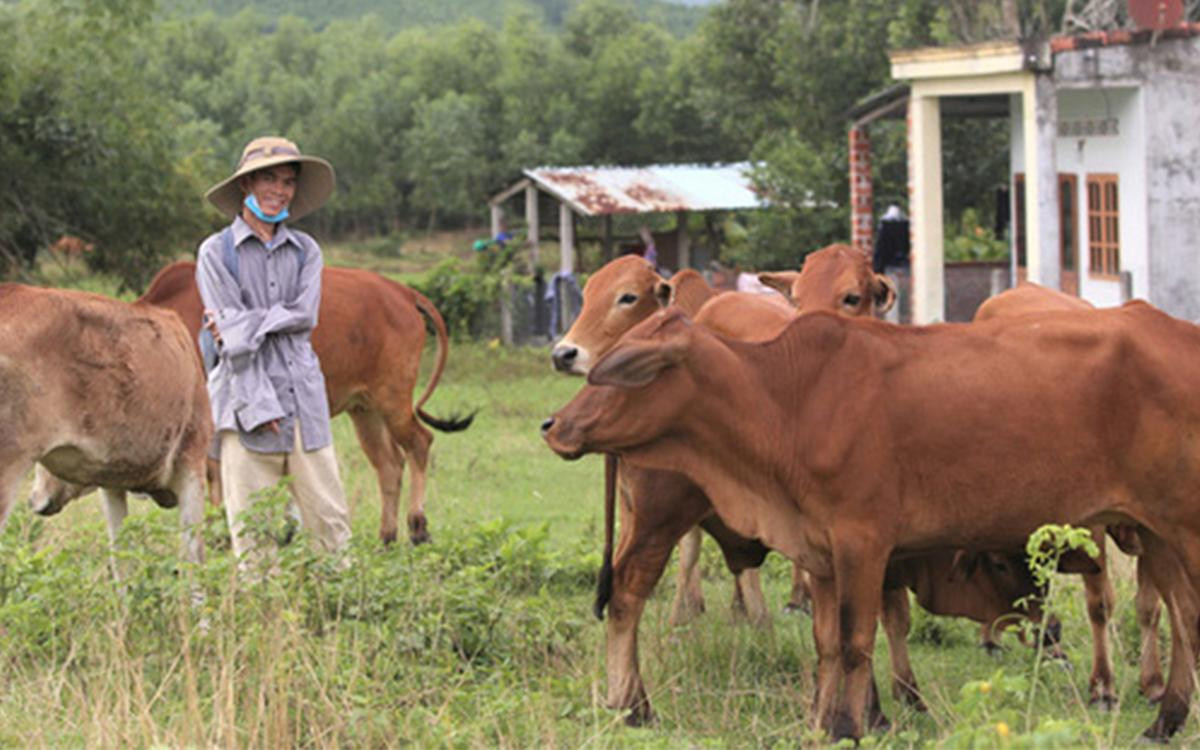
[
  {"x": 616, "y": 298},
  {"x": 635, "y": 392},
  {"x": 50, "y": 494},
  {"x": 836, "y": 278}
]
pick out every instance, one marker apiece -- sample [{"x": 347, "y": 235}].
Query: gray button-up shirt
[{"x": 267, "y": 369}]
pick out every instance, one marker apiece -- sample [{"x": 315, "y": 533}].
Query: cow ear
[
  {"x": 636, "y": 364},
  {"x": 962, "y": 566},
  {"x": 780, "y": 281},
  {"x": 664, "y": 293},
  {"x": 884, "y": 292}
]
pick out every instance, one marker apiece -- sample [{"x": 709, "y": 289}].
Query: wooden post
[
  {"x": 608, "y": 237},
  {"x": 497, "y": 212},
  {"x": 531, "y": 223},
  {"x": 683, "y": 252},
  {"x": 566, "y": 242}
]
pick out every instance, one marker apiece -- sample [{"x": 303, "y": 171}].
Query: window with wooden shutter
[{"x": 1104, "y": 243}]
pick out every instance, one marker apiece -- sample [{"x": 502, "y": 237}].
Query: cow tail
[
  {"x": 454, "y": 423},
  {"x": 604, "y": 582}
]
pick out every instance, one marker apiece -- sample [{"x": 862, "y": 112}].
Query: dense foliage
[{"x": 115, "y": 115}]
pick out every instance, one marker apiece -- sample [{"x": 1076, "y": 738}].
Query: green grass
[{"x": 482, "y": 639}]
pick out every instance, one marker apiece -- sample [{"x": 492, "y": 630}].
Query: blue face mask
[{"x": 252, "y": 204}]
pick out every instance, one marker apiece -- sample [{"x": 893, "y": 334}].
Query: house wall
[
  {"x": 1154, "y": 92},
  {"x": 1122, "y": 154}
]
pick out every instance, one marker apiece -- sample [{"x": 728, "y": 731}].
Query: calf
[
  {"x": 845, "y": 443},
  {"x": 101, "y": 393}
]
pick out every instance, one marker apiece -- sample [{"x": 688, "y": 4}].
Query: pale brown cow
[
  {"x": 870, "y": 442},
  {"x": 101, "y": 393},
  {"x": 369, "y": 339}
]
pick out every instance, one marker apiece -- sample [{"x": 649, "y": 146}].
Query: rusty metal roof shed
[{"x": 601, "y": 191}]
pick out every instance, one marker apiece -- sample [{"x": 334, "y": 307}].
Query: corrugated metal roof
[{"x": 598, "y": 191}]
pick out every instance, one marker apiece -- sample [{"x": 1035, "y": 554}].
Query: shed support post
[
  {"x": 531, "y": 223},
  {"x": 566, "y": 234},
  {"x": 683, "y": 248}
]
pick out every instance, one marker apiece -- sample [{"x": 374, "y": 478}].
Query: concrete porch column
[{"x": 925, "y": 208}]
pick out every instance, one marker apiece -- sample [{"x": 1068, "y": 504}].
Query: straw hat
[{"x": 313, "y": 188}]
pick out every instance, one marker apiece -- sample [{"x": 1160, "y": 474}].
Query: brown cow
[
  {"x": 101, "y": 393},
  {"x": 1028, "y": 298},
  {"x": 369, "y": 341},
  {"x": 617, "y": 297},
  {"x": 870, "y": 442}
]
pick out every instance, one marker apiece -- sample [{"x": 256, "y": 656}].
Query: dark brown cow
[
  {"x": 872, "y": 442},
  {"x": 369, "y": 340},
  {"x": 101, "y": 393}
]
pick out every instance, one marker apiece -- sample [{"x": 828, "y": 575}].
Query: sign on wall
[{"x": 1089, "y": 127}]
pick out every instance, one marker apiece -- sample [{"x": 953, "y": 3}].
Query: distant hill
[{"x": 680, "y": 16}]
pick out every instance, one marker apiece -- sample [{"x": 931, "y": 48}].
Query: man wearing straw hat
[{"x": 261, "y": 284}]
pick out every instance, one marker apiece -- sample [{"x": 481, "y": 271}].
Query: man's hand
[
  {"x": 272, "y": 426},
  {"x": 209, "y": 321}
]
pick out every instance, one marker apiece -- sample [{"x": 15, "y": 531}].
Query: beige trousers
[{"x": 316, "y": 487}]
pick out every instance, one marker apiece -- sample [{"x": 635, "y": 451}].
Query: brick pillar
[{"x": 861, "y": 220}]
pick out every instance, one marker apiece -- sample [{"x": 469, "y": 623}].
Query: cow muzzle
[
  {"x": 557, "y": 438},
  {"x": 569, "y": 358}
]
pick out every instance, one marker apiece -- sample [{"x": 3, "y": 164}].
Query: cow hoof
[
  {"x": 909, "y": 695},
  {"x": 1104, "y": 703},
  {"x": 640, "y": 715},
  {"x": 803, "y": 608},
  {"x": 418, "y": 530},
  {"x": 842, "y": 728},
  {"x": 388, "y": 537},
  {"x": 880, "y": 722},
  {"x": 1154, "y": 691}
]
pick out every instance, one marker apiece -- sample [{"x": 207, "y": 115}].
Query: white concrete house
[{"x": 1105, "y": 155}]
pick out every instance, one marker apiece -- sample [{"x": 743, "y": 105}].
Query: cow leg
[
  {"x": 116, "y": 507},
  {"x": 657, "y": 509},
  {"x": 988, "y": 640},
  {"x": 859, "y": 563},
  {"x": 412, "y": 436},
  {"x": 1148, "y": 612},
  {"x": 388, "y": 462},
  {"x": 743, "y": 557},
  {"x": 1100, "y": 597},
  {"x": 689, "y": 596},
  {"x": 896, "y": 623},
  {"x": 824, "y": 627},
  {"x": 10, "y": 482},
  {"x": 1169, "y": 577},
  {"x": 189, "y": 488},
  {"x": 212, "y": 472},
  {"x": 748, "y": 599},
  {"x": 799, "y": 599}
]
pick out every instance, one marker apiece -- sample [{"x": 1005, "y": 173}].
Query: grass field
[{"x": 483, "y": 638}]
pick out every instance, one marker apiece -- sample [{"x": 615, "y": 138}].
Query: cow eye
[
  {"x": 851, "y": 300},
  {"x": 628, "y": 298}
]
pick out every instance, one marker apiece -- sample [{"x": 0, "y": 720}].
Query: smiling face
[{"x": 273, "y": 187}]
